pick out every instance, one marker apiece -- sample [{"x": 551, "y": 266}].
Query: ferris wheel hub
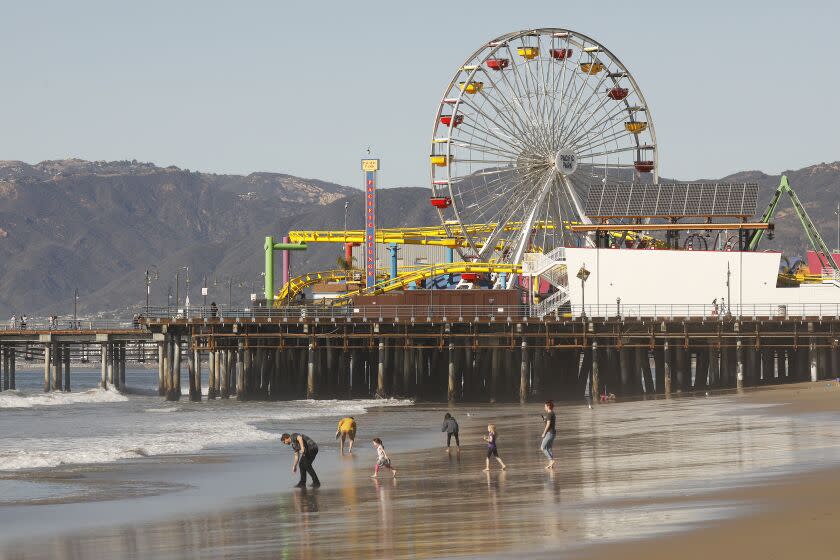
[{"x": 566, "y": 162}]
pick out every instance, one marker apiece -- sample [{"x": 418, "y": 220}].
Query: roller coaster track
[
  {"x": 432, "y": 235},
  {"x": 402, "y": 281}
]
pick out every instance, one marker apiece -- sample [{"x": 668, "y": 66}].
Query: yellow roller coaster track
[
  {"x": 299, "y": 283},
  {"x": 432, "y": 235},
  {"x": 403, "y": 280}
]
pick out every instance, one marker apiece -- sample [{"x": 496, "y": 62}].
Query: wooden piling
[
  {"x": 495, "y": 366},
  {"x": 647, "y": 374},
  {"x": 191, "y": 373},
  {"x": 450, "y": 386},
  {"x": 624, "y": 369},
  {"x": 56, "y": 367},
  {"x": 739, "y": 364},
  {"x": 161, "y": 367},
  {"x": 122, "y": 364},
  {"x": 523, "y": 372},
  {"x": 380, "y": 371},
  {"x": 66, "y": 368},
  {"x": 666, "y": 369},
  {"x": 240, "y": 372},
  {"x": 211, "y": 376},
  {"x": 47, "y": 346},
  {"x": 713, "y": 360},
  {"x": 594, "y": 378},
  {"x": 812, "y": 353},
  {"x": 311, "y": 382},
  {"x": 13, "y": 366},
  {"x": 225, "y": 362},
  {"x": 103, "y": 365}
]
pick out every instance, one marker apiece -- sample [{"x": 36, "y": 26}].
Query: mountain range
[{"x": 97, "y": 227}]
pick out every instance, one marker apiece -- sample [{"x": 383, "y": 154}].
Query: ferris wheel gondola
[{"x": 527, "y": 123}]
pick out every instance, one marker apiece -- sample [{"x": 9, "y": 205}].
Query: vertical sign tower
[{"x": 370, "y": 167}]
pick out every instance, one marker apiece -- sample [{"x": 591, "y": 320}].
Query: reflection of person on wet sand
[
  {"x": 382, "y": 459},
  {"x": 346, "y": 430},
  {"x": 492, "y": 449},
  {"x": 305, "y": 452}
]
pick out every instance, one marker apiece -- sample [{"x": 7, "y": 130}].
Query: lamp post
[
  {"x": 346, "y": 206},
  {"x": 583, "y": 274},
  {"x": 187, "y": 294},
  {"x": 837, "y": 212},
  {"x": 149, "y": 277},
  {"x": 177, "y": 287},
  {"x": 75, "y": 307},
  {"x": 204, "y": 291}
]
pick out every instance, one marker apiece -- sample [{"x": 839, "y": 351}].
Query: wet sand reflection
[{"x": 444, "y": 505}]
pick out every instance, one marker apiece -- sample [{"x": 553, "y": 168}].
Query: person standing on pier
[
  {"x": 305, "y": 450},
  {"x": 549, "y": 432},
  {"x": 346, "y": 430}
]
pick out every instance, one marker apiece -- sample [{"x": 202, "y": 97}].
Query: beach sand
[{"x": 751, "y": 474}]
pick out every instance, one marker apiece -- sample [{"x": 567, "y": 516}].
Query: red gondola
[
  {"x": 447, "y": 120},
  {"x": 441, "y": 202},
  {"x": 561, "y": 54},
  {"x": 469, "y": 276},
  {"x": 643, "y": 166},
  {"x": 618, "y": 93},
  {"x": 498, "y": 63}
]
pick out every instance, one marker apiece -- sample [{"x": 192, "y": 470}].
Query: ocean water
[{"x": 90, "y": 425}]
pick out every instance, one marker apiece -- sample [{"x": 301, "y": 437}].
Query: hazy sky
[{"x": 304, "y": 87}]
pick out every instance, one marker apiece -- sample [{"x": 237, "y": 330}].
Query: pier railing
[
  {"x": 462, "y": 313},
  {"x": 81, "y": 324}
]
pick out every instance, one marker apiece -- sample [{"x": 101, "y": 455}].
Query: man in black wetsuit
[{"x": 305, "y": 452}]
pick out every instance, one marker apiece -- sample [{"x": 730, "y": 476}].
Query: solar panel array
[{"x": 672, "y": 200}]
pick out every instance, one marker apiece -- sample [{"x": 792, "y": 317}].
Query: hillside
[
  {"x": 99, "y": 225},
  {"x": 72, "y": 223}
]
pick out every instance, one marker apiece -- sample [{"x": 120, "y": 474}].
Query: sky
[{"x": 305, "y": 87}]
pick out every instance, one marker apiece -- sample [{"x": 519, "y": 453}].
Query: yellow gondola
[
  {"x": 635, "y": 127},
  {"x": 529, "y": 53},
  {"x": 591, "y": 68},
  {"x": 440, "y": 161},
  {"x": 471, "y": 87}
]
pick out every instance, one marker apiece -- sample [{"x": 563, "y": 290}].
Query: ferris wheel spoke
[
  {"x": 613, "y": 117},
  {"x": 512, "y": 102},
  {"x": 609, "y": 136},
  {"x": 591, "y": 114},
  {"x": 519, "y": 135},
  {"x": 571, "y": 90},
  {"x": 578, "y": 108},
  {"x": 478, "y": 131},
  {"x": 473, "y": 145}
]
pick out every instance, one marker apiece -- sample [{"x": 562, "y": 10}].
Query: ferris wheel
[{"x": 528, "y": 122}]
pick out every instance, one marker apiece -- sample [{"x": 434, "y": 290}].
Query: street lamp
[
  {"x": 837, "y": 212},
  {"x": 149, "y": 278},
  {"x": 346, "y": 206},
  {"x": 75, "y": 308},
  {"x": 583, "y": 274}
]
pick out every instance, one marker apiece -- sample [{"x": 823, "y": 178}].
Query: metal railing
[
  {"x": 81, "y": 324},
  {"x": 470, "y": 312},
  {"x": 295, "y": 312},
  {"x": 707, "y": 311}
]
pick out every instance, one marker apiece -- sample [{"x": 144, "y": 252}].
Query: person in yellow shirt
[{"x": 346, "y": 431}]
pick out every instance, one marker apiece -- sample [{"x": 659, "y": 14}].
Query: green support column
[
  {"x": 269, "y": 247},
  {"x": 269, "y": 267}
]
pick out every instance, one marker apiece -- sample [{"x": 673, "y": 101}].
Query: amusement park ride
[{"x": 543, "y": 148}]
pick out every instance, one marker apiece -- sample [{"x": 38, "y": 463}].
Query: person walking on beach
[
  {"x": 450, "y": 426},
  {"x": 549, "y": 431},
  {"x": 305, "y": 452},
  {"x": 492, "y": 449},
  {"x": 382, "y": 459},
  {"x": 346, "y": 430}
]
